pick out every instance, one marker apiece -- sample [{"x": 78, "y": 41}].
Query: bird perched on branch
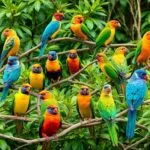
[
  {"x": 53, "y": 68},
  {"x": 85, "y": 106},
  {"x": 11, "y": 75},
  {"x": 47, "y": 99},
  {"x": 106, "y": 35},
  {"x": 142, "y": 53},
  {"x": 21, "y": 104},
  {"x": 11, "y": 45},
  {"x": 113, "y": 74},
  {"x": 135, "y": 93},
  {"x": 51, "y": 30},
  {"x": 119, "y": 59},
  {"x": 73, "y": 61},
  {"x": 107, "y": 109},
  {"x": 36, "y": 77},
  {"x": 80, "y": 29},
  {"x": 50, "y": 124}
]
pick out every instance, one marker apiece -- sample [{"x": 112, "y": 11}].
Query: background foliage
[{"x": 29, "y": 18}]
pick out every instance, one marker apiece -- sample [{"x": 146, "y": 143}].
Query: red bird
[
  {"x": 73, "y": 62},
  {"x": 50, "y": 125}
]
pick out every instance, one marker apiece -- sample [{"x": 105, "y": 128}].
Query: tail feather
[
  {"x": 113, "y": 133},
  {"x": 131, "y": 123},
  {"x": 19, "y": 127},
  {"x": 46, "y": 146},
  {"x": 92, "y": 132},
  {"x": 42, "y": 49},
  {"x": 4, "y": 93}
]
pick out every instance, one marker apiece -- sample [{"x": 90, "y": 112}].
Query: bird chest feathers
[
  {"x": 52, "y": 65},
  {"x": 108, "y": 41}
]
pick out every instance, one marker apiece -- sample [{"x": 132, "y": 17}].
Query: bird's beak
[
  {"x": 50, "y": 57},
  {"x": 119, "y": 25},
  {"x": 55, "y": 110},
  {"x": 146, "y": 77}
]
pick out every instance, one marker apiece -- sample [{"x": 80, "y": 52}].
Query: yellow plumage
[{"x": 52, "y": 65}]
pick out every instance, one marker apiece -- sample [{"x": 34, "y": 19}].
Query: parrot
[
  {"x": 21, "y": 104},
  {"x": 106, "y": 35},
  {"x": 85, "y": 106},
  {"x": 51, "y": 30},
  {"x": 118, "y": 59},
  {"x": 47, "y": 99},
  {"x": 36, "y": 77},
  {"x": 50, "y": 125},
  {"x": 73, "y": 62},
  {"x": 114, "y": 75},
  {"x": 11, "y": 45},
  {"x": 11, "y": 75},
  {"x": 53, "y": 68},
  {"x": 107, "y": 109},
  {"x": 80, "y": 29},
  {"x": 142, "y": 53},
  {"x": 135, "y": 92}
]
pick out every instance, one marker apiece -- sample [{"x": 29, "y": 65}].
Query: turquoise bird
[
  {"x": 107, "y": 109},
  {"x": 11, "y": 75},
  {"x": 51, "y": 31},
  {"x": 135, "y": 93}
]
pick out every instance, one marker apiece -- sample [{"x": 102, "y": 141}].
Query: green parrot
[
  {"x": 107, "y": 111},
  {"x": 114, "y": 74}
]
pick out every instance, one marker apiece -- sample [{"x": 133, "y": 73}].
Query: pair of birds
[{"x": 135, "y": 93}]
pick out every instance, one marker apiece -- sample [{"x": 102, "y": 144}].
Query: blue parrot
[
  {"x": 51, "y": 30},
  {"x": 135, "y": 93},
  {"x": 11, "y": 74}
]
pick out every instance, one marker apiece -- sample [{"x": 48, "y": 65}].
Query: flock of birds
[{"x": 134, "y": 90}]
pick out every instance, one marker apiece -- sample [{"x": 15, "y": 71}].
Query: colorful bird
[
  {"x": 21, "y": 104},
  {"x": 36, "y": 77},
  {"x": 11, "y": 75},
  {"x": 85, "y": 106},
  {"x": 142, "y": 53},
  {"x": 106, "y": 35},
  {"x": 119, "y": 60},
  {"x": 80, "y": 29},
  {"x": 114, "y": 75},
  {"x": 47, "y": 99},
  {"x": 135, "y": 93},
  {"x": 73, "y": 62},
  {"x": 11, "y": 45},
  {"x": 51, "y": 30},
  {"x": 53, "y": 68},
  {"x": 50, "y": 125},
  {"x": 107, "y": 109}
]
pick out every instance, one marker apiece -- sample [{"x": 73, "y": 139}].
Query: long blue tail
[
  {"x": 131, "y": 123},
  {"x": 4, "y": 93},
  {"x": 42, "y": 49}
]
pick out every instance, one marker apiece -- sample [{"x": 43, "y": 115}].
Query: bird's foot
[
  {"x": 45, "y": 136},
  {"x": 55, "y": 137}
]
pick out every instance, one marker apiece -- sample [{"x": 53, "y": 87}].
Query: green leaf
[
  {"x": 3, "y": 145},
  {"x": 37, "y": 5},
  {"x": 89, "y": 24}
]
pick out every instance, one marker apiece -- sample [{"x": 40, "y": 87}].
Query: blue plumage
[
  {"x": 11, "y": 74},
  {"x": 135, "y": 93}
]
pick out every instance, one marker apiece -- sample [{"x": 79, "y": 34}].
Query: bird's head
[
  {"x": 8, "y": 32},
  {"x": 59, "y": 16},
  {"x": 107, "y": 89},
  {"x": 44, "y": 94},
  {"x": 101, "y": 57},
  {"x": 147, "y": 35},
  {"x": 53, "y": 110},
  {"x": 121, "y": 50},
  {"x": 78, "y": 19},
  {"x": 52, "y": 55},
  {"x": 36, "y": 68},
  {"x": 25, "y": 88},
  {"x": 140, "y": 74},
  {"x": 12, "y": 60},
  {"x": 114, "y": 24},
  {"x": 73, "y": 54},
  {"x": 84, "y": 90}
]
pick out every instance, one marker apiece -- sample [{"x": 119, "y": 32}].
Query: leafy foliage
[{"x": 29, "y": 18}]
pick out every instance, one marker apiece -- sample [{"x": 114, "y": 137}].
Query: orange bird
[
  {"x": 142, "y": 53},
  {"x": 50, "y": 125},
  {"x": 73, "y": 62}
]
